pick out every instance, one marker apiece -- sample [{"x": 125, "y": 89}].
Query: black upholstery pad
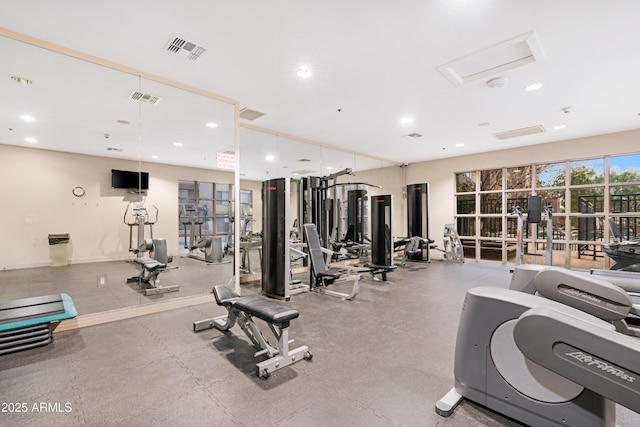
[
  {"x": 266, "y": 310},
  {"x": 224, "y": 296}
]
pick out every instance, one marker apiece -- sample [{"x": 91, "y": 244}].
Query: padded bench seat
[
  {"x": 267, "y": 310},
  {"x": 243, "y": 310},
  {"x": 149, "y": 263}
]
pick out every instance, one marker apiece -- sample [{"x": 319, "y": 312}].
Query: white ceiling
[{"x": 373, "y": 63}]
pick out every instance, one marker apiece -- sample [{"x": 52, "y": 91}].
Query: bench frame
[
  {"x": 277, "y": 357},
  {"x": 148, "y": 271}
]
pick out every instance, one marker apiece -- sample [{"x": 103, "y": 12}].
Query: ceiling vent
[
  {"x": 119, "y": 150},
  {"x": 520, "y": 132},
  {"x": 248, "y": 114},
  {"x": 414, "y": 135},
  {"x": 516, "y": 52},
  {"x": 184, "y": 48},
  {"x": 303, "y": 172},
  {"x": 144, "y": 98},
  {"x": 304, "y": 160}
]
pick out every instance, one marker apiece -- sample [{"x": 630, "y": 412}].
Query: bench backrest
[{"x": 316, "y": 256}]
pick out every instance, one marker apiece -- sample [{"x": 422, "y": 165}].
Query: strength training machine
[
  {"x": 453, "y": 250},
  {"x": 417, "y": 243},
  {"x": 381, "y": 239},
  {"x": 276, "y": 241},
  {"x": 321, "y": 276},
  {"x": 277, "y": 316}
]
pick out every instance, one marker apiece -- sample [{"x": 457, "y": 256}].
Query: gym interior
[{"x": 330, "y": 286}]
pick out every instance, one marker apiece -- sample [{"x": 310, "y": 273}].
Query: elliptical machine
[
  {"x": 203, "y": 248},
  {"x": 149, "y": 267}
]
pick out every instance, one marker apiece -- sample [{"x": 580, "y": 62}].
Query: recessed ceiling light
[
  {"x": 31, "y": 140},
  {"x": 406, "y": 120},
  {"x": 460, "y": 144},
  {"x": 270, "y": 157},
  {"x": 304, "y": 72},
  {"x": 329, "y": 168},
  {"x": 27, "y": 118},
  {"x": 212, "y": 125},
  {"x": 23, "y": 80},
  {"x": 178, "y": 144},
  {"x": 533, "y": 87},
  {"x": 560, "y": 127},
  {"x": 155, "y": 157}
]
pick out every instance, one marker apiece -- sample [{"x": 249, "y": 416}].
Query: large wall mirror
[
  {"x": 266, "y": 155},
  {"x": 67, "y": 122}
]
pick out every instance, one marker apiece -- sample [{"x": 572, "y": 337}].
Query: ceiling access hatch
[
  {"x": 513, "y": 53},
  {"x": 532, "y": 130},
  {"x": 184, "y": 48}
]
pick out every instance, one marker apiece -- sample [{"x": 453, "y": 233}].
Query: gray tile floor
[{"x": 381, "y": 360}]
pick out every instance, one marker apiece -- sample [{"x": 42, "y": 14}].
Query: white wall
[
  {"x": 37, "y": 201},
  {"x": 440, "y": 173}
]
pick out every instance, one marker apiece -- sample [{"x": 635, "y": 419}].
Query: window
[
  {"x": 519, "y": 177},
  {"x": 587, "y": 172},
  {"x": 206, "y": 209},
  {"x": 550, "y": 175},
  {"x": 580, "y": 198},
  {"x": 491, "y": 180},
  {"x": 465, "y": 182}
]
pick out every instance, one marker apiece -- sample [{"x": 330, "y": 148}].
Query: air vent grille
[
  {"x": 119, "y": 150},
  {"x": 184, "y": 48},
  {"x": 532, "y": 130},
  {"x": 304, "y": 160},
  {"x": 303, "y": 172},
  {"x": 144, "y": 98},
  {"x": 249, "y": 114}
]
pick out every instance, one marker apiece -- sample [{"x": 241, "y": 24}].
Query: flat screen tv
[{"x": 129, "y": 180}]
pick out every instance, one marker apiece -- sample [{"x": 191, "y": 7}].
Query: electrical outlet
[{"x": 102, "y": 280}]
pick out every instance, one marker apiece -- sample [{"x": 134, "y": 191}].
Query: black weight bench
[
  {"x": 416, "y": 248},
  {"x": 29, "y": 322},
  {"x": 277, "y": 317},
  {"x": 382, "y": 270},
  {"x": 148, "y": 271}
]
